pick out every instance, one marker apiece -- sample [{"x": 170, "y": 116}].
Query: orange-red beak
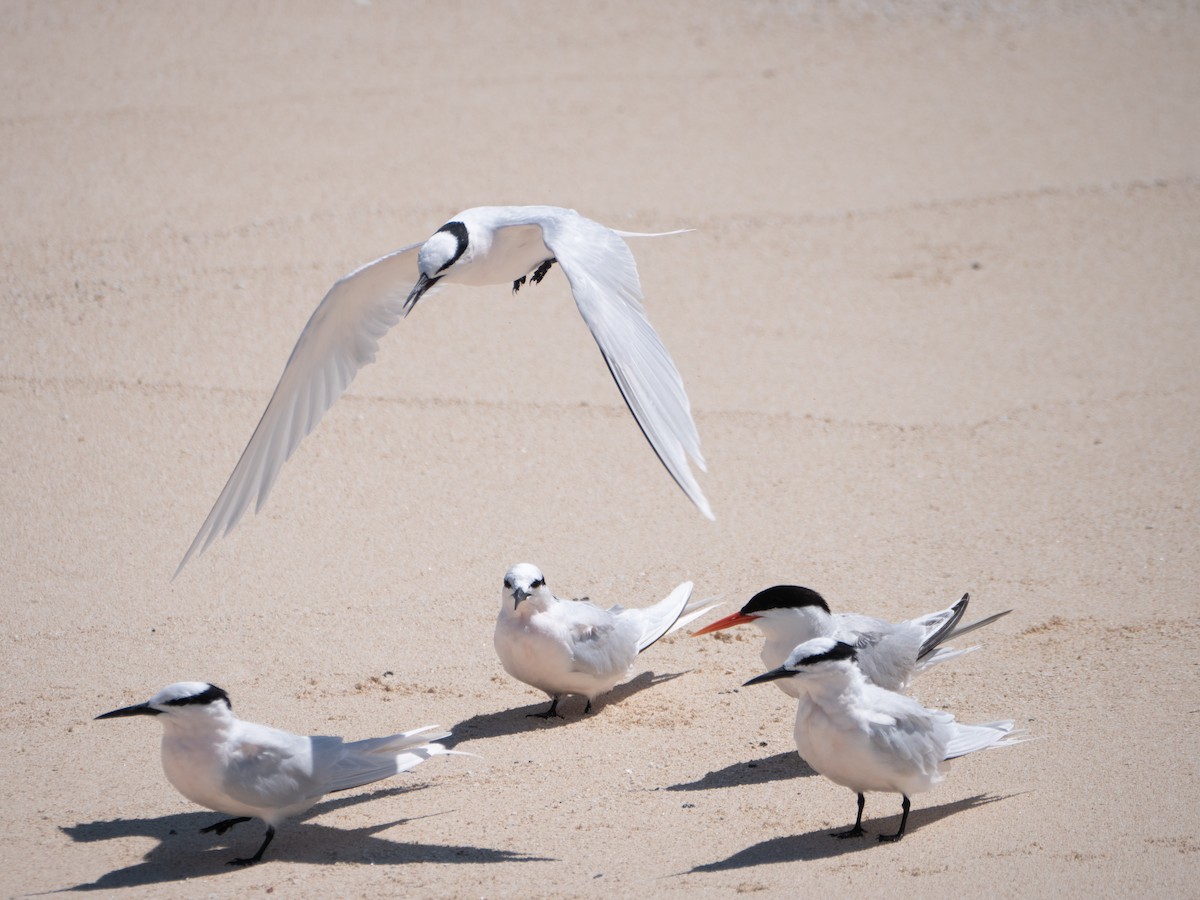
[{"x": 729, "y": 621}]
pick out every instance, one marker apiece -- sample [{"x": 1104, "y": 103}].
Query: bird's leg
[
  {"x": 551, "y": 712},
  {"x": 890, "y": 838},
  {"x": 224, "y": 825},
  {"x": 857, "y": 830},
  {"x": 249, "y": 861},
  {"x": 587, "y": 709},
  {"x": 540, "y": 272},
  {"x": 517, "y": 284}
]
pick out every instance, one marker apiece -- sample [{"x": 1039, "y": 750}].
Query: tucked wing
[
  {"x": 599, "y": 643},
  {"x": 270, "y": 769},
  {"x": 341, "y": 337},
  {"x": 604, "y": 281},
  {"x": 905, "y": 733}
]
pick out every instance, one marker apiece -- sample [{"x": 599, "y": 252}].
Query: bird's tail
[
  {"x": 626, "y": 234},
  {"x": 694, "y": 610},
  {"x": 670, "y": 614},
  {"x": 969, "y": 738},
  {"x": 959, "y": 632},
  {"x": 363, "y": 762}
]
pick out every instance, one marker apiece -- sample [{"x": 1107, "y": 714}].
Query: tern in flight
[{"x": 480, "y": 246}]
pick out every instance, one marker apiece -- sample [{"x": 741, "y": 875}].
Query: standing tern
[
  {"x": 246, "y": 770},
  {"x": 866, "y": 738},
  {"x": 480, "y": 246},
  {"x": 573, "y": 646},
  {"x": 888, "y": 654}
]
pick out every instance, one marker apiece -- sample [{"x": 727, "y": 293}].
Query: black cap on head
[
  {"x": 784, "y": 596},
  {"x": 834, "y": 653},
  {"x": 212, "y": 694}
]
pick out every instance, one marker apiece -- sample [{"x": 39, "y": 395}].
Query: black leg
[
  {"x": 551, "y": 712},
  {"x": 257, "y": 856},
  {"x": 540, "y": 272},
  {"x": 903, "y": 821},
  {"x": 517, "y": 284},
  {"x": 587, "y": 709},
  {"x": 224, "y": 825},
  {"x": 857, "y": 830}
]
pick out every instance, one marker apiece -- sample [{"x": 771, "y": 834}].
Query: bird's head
[
  {"x": 446, "y": 248},
  {"x": 184, "y": 699},
  {"x": 812, "y": 658},
  {"x": 521, "y": 582},
  {"x": 771, "y": 605}
]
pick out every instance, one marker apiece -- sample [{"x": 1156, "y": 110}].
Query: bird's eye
[
  {"x": 508, "y": 582},
  {"x": 539, "y": 583}
]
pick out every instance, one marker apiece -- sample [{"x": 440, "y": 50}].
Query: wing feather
[
  {"x": 604, "y": 280},
  {"x": 340, "y": 338}
]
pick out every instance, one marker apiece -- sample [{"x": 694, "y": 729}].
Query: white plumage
[
  {"x": 573, "y": 646},
  {"x": 867, "y": 738},
  {"x": 480, "y": 246},
  {"x": 246, "y": 770}
]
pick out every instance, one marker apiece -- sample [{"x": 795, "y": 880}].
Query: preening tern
[
  {"x": 888, "y": 654},
  {"x": 866, "y": 738},
  {"x": 480, "y": 246},
  {"x": 573, "y": 646},
  {"x": 246, "y": 770}
]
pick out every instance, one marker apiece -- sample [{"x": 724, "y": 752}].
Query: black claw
[
  {"x": 892, "y": 838},
  {"x": 224, "y": 825},
  {"x": 552, "y": 712},
  {"x": 857, "y": 830},
  {"x": 540, "y": 272},
  {"x": 251, "y": 860},
  {"x": 517, "y": 284}
]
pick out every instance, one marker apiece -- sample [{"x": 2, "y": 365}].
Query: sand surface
[{"x": 937, "y": 320}]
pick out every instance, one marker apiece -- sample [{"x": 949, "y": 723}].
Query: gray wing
[
  {"x": 604, "y": 281},
  {"x": 269, "y": 768},
  {"x": 905, "y": 733},
  {"x": 887, "y": 652},
  {"x": 340, "y": 338},
  {"x": 600, "y": 642}
]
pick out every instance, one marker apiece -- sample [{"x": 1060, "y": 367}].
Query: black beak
[
  {"x": 423, "y": 284},
  {"x": 142, "y": 709},
  {"x": 773, "y": 675},
  {"x": 519, "y": 594}
]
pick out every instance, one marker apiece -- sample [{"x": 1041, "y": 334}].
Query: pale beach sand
[{"x": 938, "y": 321}]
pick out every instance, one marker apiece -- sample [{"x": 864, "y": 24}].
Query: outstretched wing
[
  {"x": 340, "y": 338},
  {"x": 604, "y": 280}
]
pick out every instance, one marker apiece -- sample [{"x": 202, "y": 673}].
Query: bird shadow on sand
[
  {"x": 780, "y": 767},
  {"x": 527, "y": 718},
  {"x": 820, "y": 844},
  {"x": 183, "y": 853}
]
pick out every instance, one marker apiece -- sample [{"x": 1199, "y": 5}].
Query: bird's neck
[
  {"x": 530, "y": 606},
  {"x": 207, "y": 726},
  {"x": 784, "y": 631},
  {"x": 835, "y": 687}
]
